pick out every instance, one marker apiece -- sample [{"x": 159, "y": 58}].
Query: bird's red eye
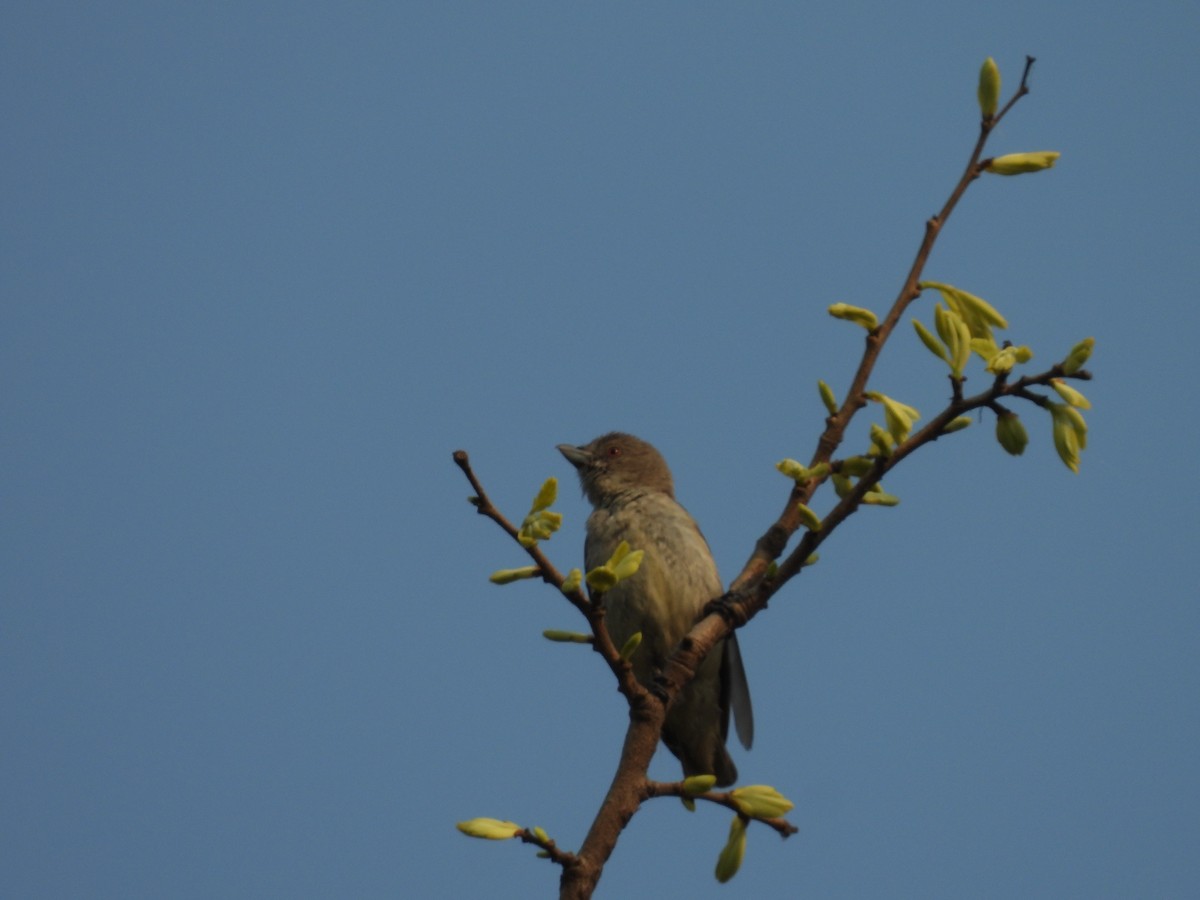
[{"x": 614, "y": 451}]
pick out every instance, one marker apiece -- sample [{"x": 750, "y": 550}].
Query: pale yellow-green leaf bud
[
  {"x": 820, "y": 470},
  {"x": 546, "y": 496},
  {"x": 1011, "y": 433},
  {"x": 989, "y": 88},
  {"x": 1002, "y": 362},
  {"x": 962, "y": 348},
  {"x": 880, "y": 499},
  {"x": 1075, "y": 417},
  {"x": 793, "y": 469},
  {"x": 733, "y": 852},
  {"x": 936, "y": 347},
  {"x": 619, "y": 554},
  {"x": 973, "y": 306},
  {"x": 629, "y": 564},
  {"x": 957, "y": 424},
  {"x": 1078, "y": 356},
  {"x": 761, "y": 801},
  {"x": 566, "y": 637},
  {"x": 571, "y": 583},
  {"x": 1020, "y": 163},
  {"x": 490, "y": 829},
  {"x": 540, "y": 834},
  {"x": 631, "y": 645},
  {"x": 882, "y": 441},
  {"x": 979, "y": 315},
  {"x": 827, "y": 397},
  {"x": 985, "y": 348},
  {"x": 842, "y": 485},
  {"x": 943, "y": 322},
  {"x": 1066, "y": 438},
  {"x": 856, "y": 465},
  {"x": 812, "y": 559},
  {"x": 899, "y": 424},
  {"x": 808, "y": 518},
  {"x": 620, "y": 565},
  {"x": 956, "y": 333},
  {"x": 538, "y": 526},
  {"x": 508, "y": 576},
  {"x": 698, "y": 784},
  {"x": 855, "y": 314},
  {"x": 601, "y": 579},
  {"x": 1068, "y": 393},
  {"x": 688, "y": 803},
  {"x": 899, "y": 416}
]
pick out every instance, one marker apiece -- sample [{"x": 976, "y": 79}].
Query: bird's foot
[{"x": 728, "y": 607}]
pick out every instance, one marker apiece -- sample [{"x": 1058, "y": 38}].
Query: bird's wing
[{"x": 733, "y": 675}]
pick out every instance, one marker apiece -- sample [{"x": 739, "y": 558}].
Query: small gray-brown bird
[{"x": 633, "y": 498}]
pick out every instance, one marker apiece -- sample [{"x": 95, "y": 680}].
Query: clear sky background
[{"x": 266, "y": 265}]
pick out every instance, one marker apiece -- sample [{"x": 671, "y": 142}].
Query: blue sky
[{"x": 265, "y": 266}]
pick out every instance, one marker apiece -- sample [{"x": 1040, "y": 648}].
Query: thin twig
[
  {"x": 720, "y": 798},
  {"x": 484, "y": 506}
]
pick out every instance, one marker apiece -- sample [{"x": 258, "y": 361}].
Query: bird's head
[{"x": 618, "y": 463}]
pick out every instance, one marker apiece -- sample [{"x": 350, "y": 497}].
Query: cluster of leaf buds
[
  {"x": 755, "y": 801},
  {"x": 541, "y": 522},
  {"x": 1067, "y": 423},
  {"x": 1001, "y": 361},
  {"x": 965, "y": 326},
  {"x": 856, "y": 467},
  {"x": 900, "y": 417},
  {"x": 1011, "y": 163},
  {"x": 538, "y": 526}
]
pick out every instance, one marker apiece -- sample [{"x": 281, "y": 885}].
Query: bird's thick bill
[{"x": 576, "y": 456}]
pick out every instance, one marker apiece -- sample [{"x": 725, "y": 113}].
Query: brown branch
[
  {"x": 621, "y": 802},
  {"x": 592, "y": 611},
  {"x": 484, "y": 506},
  {"x": 769, "y": 547},
  {"x": 752, "y": 588}
]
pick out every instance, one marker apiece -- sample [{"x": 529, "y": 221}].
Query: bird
[{"x": 629, "y": 485}]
